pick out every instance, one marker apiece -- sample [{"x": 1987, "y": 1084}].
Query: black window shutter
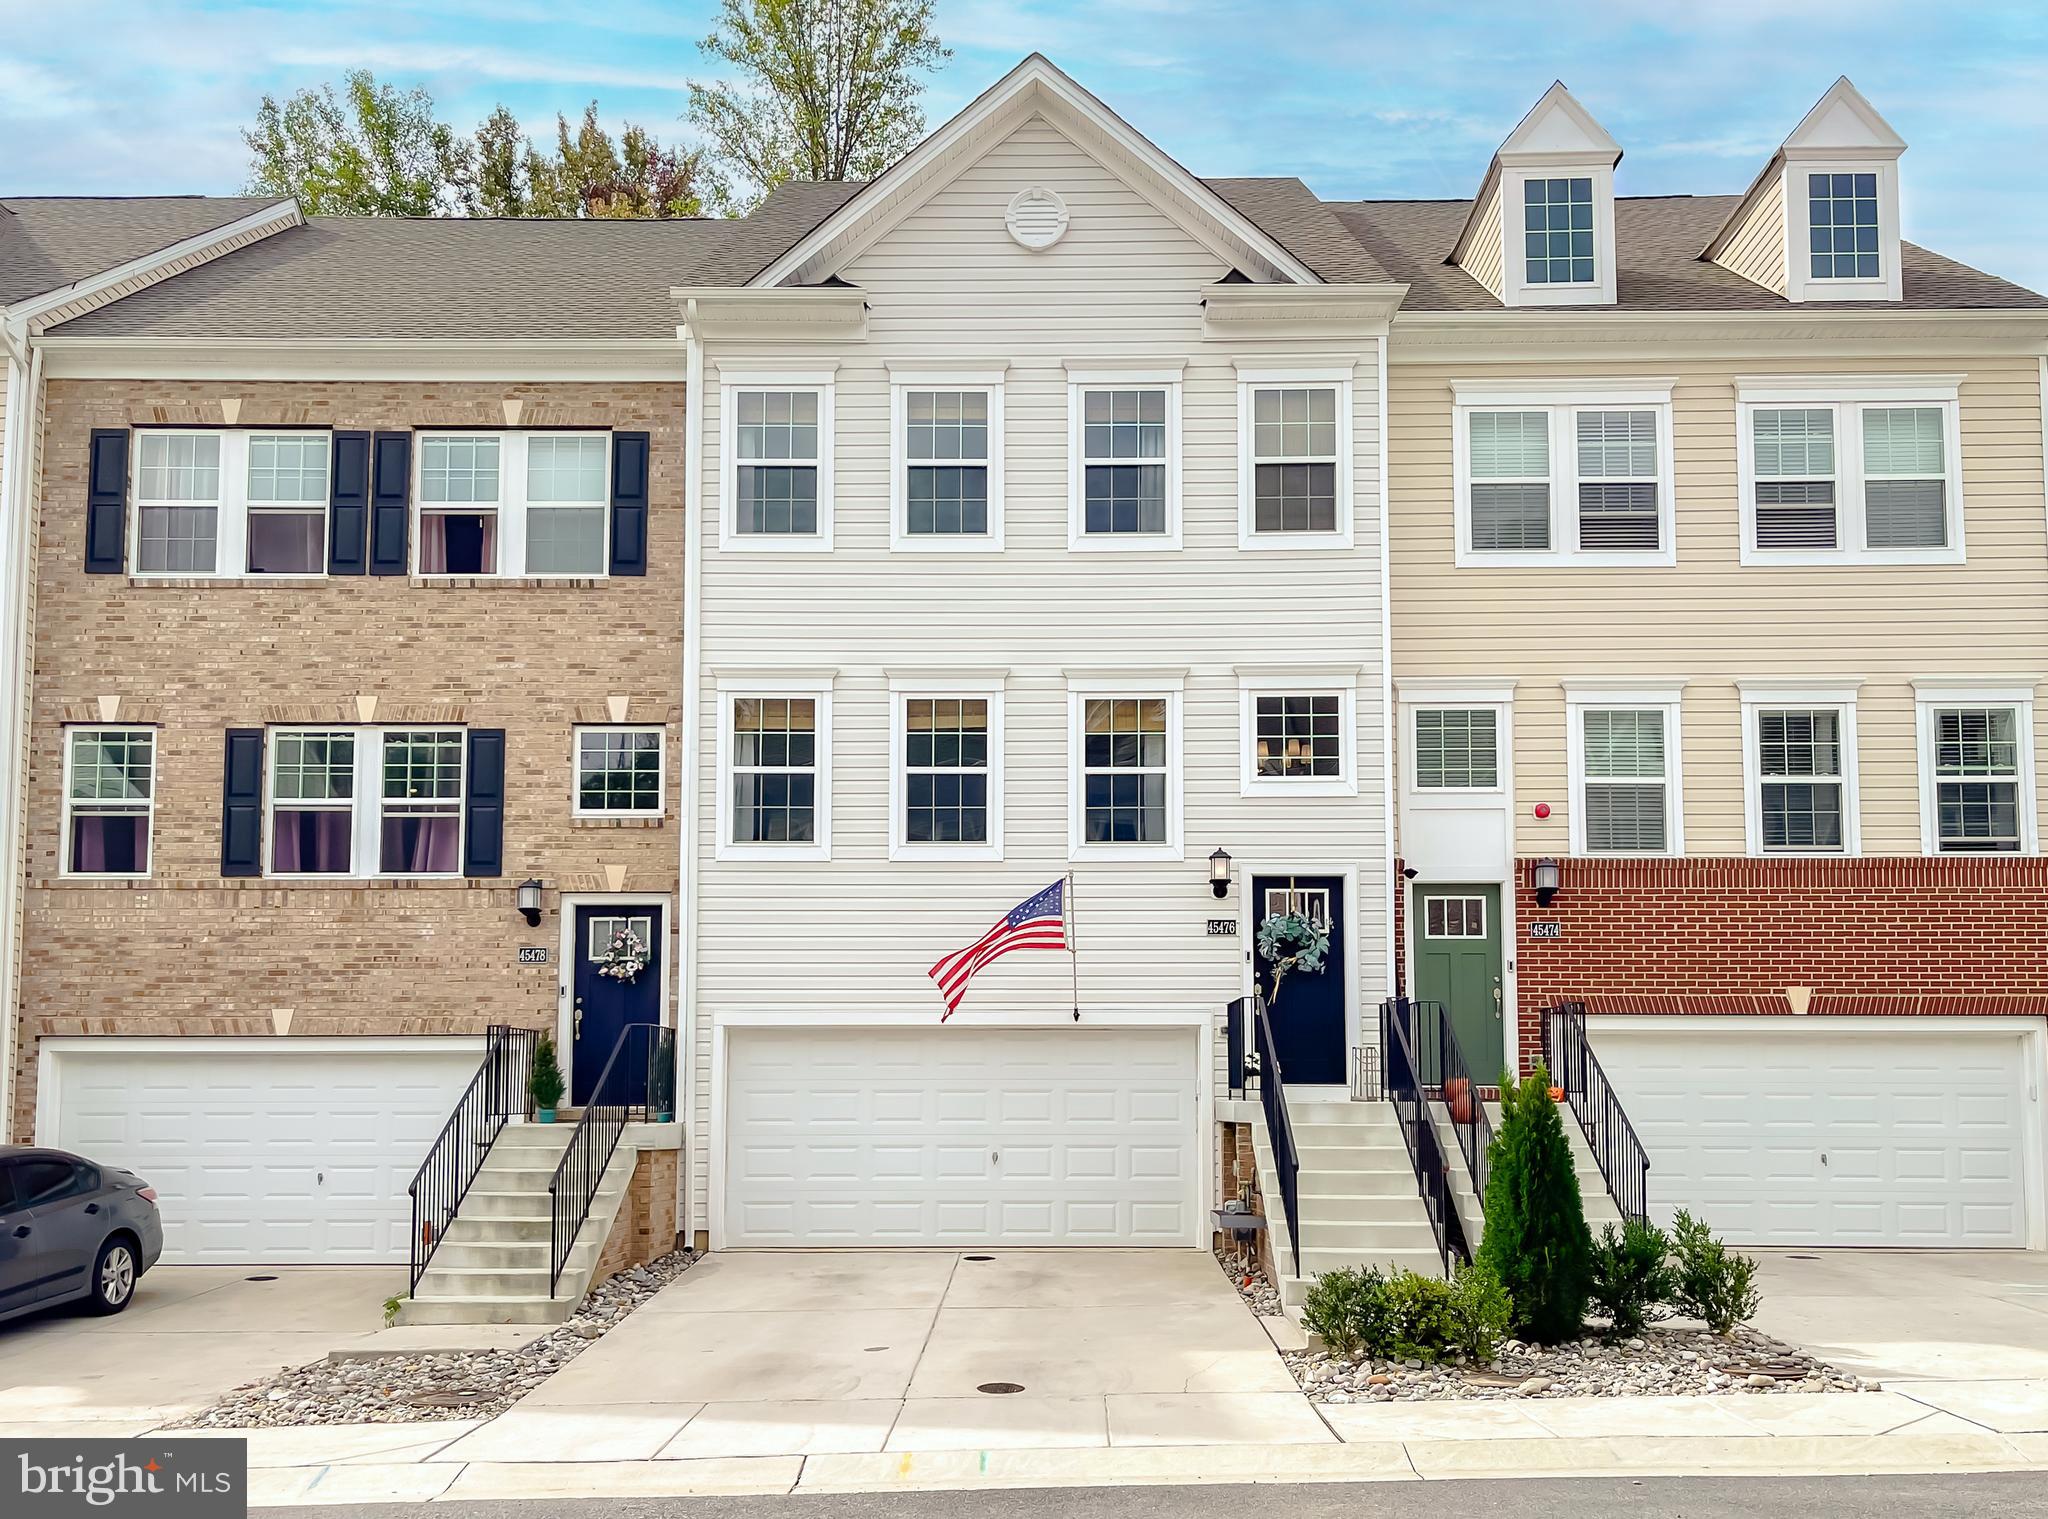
[
  {"x": 106, "y": 502},
  {"x": 348, "y": 505},
  {"x": 241, "y": 805},
  {"x": 483, "y": 849},
  {"x": 629, "y": 503},
  {"x": 390, "y": 501}
]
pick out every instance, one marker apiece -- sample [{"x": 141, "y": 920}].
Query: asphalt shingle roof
[{"x": 48, "y": 242}]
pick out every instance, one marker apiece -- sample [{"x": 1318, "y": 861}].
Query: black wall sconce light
[
  {"x": 1219, "y": 873},
  {"x": 529, "y": 902},
  {"x": 1545, "y": 880}
]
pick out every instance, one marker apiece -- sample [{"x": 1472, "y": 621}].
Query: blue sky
[{"x": 1406, "y": 99}]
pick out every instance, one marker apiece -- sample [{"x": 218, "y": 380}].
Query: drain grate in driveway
[{"x": 1000, "y": 1387}]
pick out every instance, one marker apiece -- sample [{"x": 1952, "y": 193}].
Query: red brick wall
[{"x": 1898, "y": 935}]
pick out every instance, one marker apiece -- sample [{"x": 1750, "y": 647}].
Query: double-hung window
[
  {"x": 1564, "y": 473},
  {"x": 777, "y": 482},
  {"x": 1624, "y": 761},
  {"x": 109, "y": 799},
  {"x": 1124, "y": 444},
  {"x": 1977, "y": 769},
  {"x": 775, "y": 794},
  {"x": 520, "y": 503},
  {"x": 1799, "y": 767},
  {"x": 1297, "y": 734},
  {"x": 1842, "y": 227},
  {"x": 1126, "y": 798},
  {"x": 948, "y": 461},
  {"x": 1837, "y": 471},
  {"x": 618, "y": 772},
  {"x": 1295, "y": 466},
  {"x": 230, "y": 502},
  {"x": 1457, "y": 749},
  {"x": 948, "y": 749},
  {"x": 365, "y": 802}
]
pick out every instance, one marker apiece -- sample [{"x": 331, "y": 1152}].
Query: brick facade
[
  {"x": 1920, "y": 934},
  {"x": 647, "y": 1225},
  {"x": 189, "y": 952}
]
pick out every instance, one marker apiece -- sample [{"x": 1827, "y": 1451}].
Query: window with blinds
[
  {"x": 1854, "y": 476},
  {"x": 1456, "y": 749},
  {"x": 1799, "y": 769},
  {"x": 1510, "y": 469},
  {"x": 1977, "y": 780},
  {"x": 1905, "y": 478},
  {"x": 1617, "y": 480},
  {"x": 1626, "y": 781},
  {"x": 1795, "y": 478}
]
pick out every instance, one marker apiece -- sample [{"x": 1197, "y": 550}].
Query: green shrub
[
  {"x": 1420, "y": 1323},
  {"x": 1631, "y": 1280},
  {"x": 544, "y": 1081},
  {"x": 1406, "y": 1317},
  {"x": 1536, "y": 1242},
  {"x": 1481, "y": 1313},
  {"x": 1709, "y": 1282},
  {"x": 1343, "y": 1307}
]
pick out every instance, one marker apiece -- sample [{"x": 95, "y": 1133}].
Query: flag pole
[{"x": 1073, "y": 947}]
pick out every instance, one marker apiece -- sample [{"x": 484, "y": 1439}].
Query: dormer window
[
  {"x": 1557, "y": 220},
  {"x": 1541, "y": 229},
  {"x": 1842, "y": 226}
]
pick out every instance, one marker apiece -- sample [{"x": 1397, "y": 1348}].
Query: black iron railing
[
  {"x": 1460, "y": 1095},
  {"x": 1236, "y": 1024},
  {"x": 638, "y": 1081},
  {"x": 1256, "y": 1063},
  {"x": 1406, "y": 1079},
  {"x": 496, "y": 1093},
  {"x": 1623, "y": 1162}
]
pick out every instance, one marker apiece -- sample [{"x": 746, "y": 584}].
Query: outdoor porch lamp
[
  {"x": 1219, "y": 873},
  {"x": 529, "y": 902},
  {"x": 1545, "y": 881}
]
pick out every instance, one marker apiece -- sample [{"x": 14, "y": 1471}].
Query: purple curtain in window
[
  {"x": 310, "y": 843},
  {"x": 287, "y": 543},
  {"x": 458, "y": 543},
  {"x": 421, "y": 845},
  {"x": 107, "y": 846}
]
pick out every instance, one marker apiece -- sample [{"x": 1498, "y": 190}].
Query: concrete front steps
[
  {"x": 1594, "y": 1197},
  {"x": 1357, "y": 1195},
  {"x": 493, "y": 1266}
]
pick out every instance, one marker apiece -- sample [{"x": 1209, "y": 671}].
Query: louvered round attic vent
[{"x": 1037, "y": 218}]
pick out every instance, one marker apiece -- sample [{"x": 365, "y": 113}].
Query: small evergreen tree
[
  {"x": 544, "y": 1081},
  {"x": 1536, "y": 1238}
]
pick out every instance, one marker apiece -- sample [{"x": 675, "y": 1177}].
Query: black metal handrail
[
  {"x": 1406, "y": 1083},
  {"x": 1461, "y": 1099},
  {"x": 1623, "y": 1162},
  {"x": 1235, "y": 1019},
  {"x": 638, "y": 1077},
  {"x": 1260, "y": 1065},
  {"x": 494, "y": 1095}
]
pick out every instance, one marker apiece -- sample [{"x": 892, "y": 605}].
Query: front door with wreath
[
  {"x": 1297, "y": 933},
  {"x": 617, "y": 952}
]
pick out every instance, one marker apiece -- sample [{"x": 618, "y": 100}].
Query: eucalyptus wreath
[{"x": 1292, "y": 941}]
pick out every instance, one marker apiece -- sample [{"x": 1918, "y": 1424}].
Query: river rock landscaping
[{"x": 423, "y": 1388}]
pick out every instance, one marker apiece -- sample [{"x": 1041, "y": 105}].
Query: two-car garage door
[
  {"x": 959, "y": 1136},
  {"x": 272, "y": 1151},
  {"x": 1919, "y": 1132}
]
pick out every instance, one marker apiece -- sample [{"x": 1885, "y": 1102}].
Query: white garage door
[
  {"x": 280, "y": 1152},
  {"x": 961, "y": 1136},
  {"x": 1807, "y": 1134}
]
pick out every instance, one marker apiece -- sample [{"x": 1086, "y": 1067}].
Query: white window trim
[
  {"x": 1583, "y": 695},
  {"x": 740, "y": 688},
  {"x": 1430, "y": 894},
  {"x": 576, "y": 807},
  {"x": 1515, "y": 264},
  {"x": 1846, "y": 396},
  {"x": 1965, "y": 691},
  {"x": 156, "y": 761},
  {"x": 1759, "y": 696},
  {"x": 511, "y": 506},
  {"x": 1139, "y": 686},
  {"x": 900, "y": 692},
  {"x": 1562, "y": 400},
  {"x": 1335, "y": 377},
  {"x": 1079, "y": 383},
  {"x": 1800, "y": 283},
  {"x": 231, "y": 506},
  {"x": 731, "y": 383},
  {"x": 901, "y": 382},
  {"x": 366, "y": 807},
  {"x": 1310, "y": 683},
  {"x": 1454, "y": 796}
]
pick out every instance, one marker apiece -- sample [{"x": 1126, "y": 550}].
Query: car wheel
[{"x": 113, "y": 1277}]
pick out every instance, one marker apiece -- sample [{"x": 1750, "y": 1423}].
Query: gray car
[{"x": 70, "y": 1229}]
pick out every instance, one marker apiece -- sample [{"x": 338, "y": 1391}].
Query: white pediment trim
[
  {"x": 1035, "y": 88},
  {"x": 1559, "y": 129},
  {"x": 1842, "y": 120}
]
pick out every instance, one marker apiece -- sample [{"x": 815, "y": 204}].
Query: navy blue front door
[
  {"x": 605, "y": 1004},
  {"x": 1309, "y": 1017}
]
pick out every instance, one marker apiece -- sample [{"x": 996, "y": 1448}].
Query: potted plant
[{"x": 544, "y": 1081}]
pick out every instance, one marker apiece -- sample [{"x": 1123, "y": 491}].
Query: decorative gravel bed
[
  {"x": 419, "y": 1389},
  {"x": 1663, "y": 1360}
]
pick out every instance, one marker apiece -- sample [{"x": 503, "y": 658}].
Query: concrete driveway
[
  {"x": 800, "y": 1353},
  {"x": 191, "y": 1334}
]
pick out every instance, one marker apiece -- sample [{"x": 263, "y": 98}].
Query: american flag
[{"x": 1038, "y": 922}]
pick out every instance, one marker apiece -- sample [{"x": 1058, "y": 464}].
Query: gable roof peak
[
  {"x": 1556, "y": 126},
  {"x": 1843, "y": 118}
]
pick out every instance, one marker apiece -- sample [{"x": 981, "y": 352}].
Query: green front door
[{"x": 1456, "y": 932}]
